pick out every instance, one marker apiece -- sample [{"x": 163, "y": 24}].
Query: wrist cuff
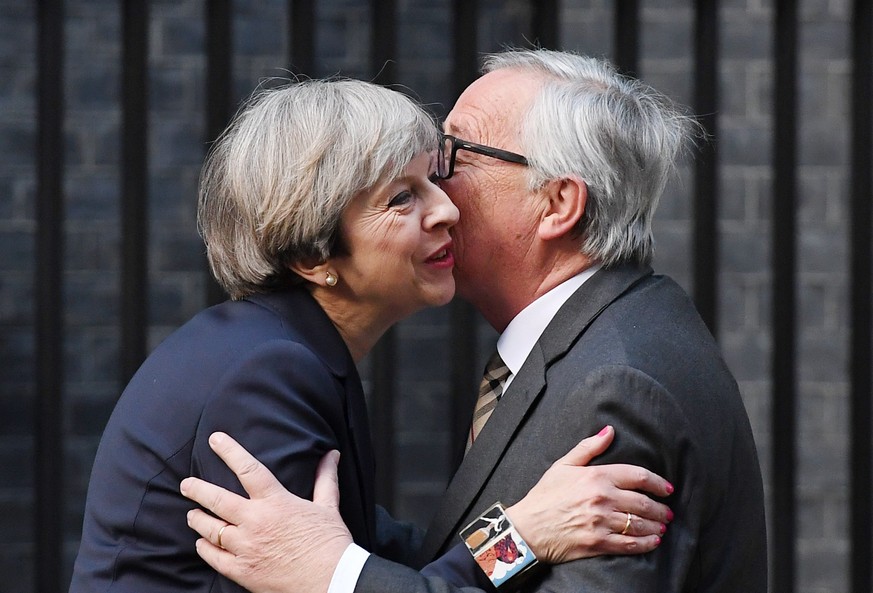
[{"x": 497, "y": 547}]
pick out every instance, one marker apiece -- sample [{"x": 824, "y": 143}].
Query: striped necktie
[{"x": 490, "y": 390}]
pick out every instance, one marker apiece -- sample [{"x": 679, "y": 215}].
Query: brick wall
[
  {"x": 177, "y": 281},
  {"x": 17, "y": 171}
]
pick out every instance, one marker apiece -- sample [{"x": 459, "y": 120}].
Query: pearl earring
[{"x": 331, "y": 279}]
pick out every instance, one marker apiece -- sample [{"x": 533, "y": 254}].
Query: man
[{"x": 556, "y": 164}]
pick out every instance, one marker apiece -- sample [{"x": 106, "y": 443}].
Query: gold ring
[
  {"x": 220, "y": 531},
  {"x": 623, "y": 531}
]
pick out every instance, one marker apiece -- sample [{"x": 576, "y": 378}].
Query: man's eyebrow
[{"x": 456, "y": 130}]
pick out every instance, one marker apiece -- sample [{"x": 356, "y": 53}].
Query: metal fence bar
[
  {"x": 302, "y": 28},
  {"x": 219, "y": 90},
  {"x": 382, "y": 54},
  {"x": 465, "y": 28},
  {"x": 705, "y": 239},
  {"x": 48, "y": 280},
  {"x": 861, "y": 193},
  {"x": 626, "y": 42},
  {"x": 465, "y": 373},
  {"x": 784, "y": 241},
  {"x": 134, "y": 185},
  {"x": 383, "y": 41},
  {"x": 544, "y": 25}
]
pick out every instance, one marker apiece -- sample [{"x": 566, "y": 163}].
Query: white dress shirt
[{"x": 514, "y": 345}]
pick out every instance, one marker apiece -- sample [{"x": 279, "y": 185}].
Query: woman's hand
[{"x": 576, "y": 511}]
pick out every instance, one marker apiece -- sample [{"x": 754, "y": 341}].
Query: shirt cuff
[{"x": 346, "y": 574}]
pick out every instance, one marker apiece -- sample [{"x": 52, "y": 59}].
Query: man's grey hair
[
  {"x": 619, "y": 135},
  {"x": 277, "y": 181}
]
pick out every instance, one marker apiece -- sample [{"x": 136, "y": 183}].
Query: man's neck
[
  {"x": 525, "y": 329},
  {"x": 503, "y": 303}
]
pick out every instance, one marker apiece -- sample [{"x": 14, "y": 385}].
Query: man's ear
[
  {"x": 314, "y": 271},
  {"x": 566, "y": 197}
]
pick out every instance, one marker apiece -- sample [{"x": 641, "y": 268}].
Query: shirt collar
[{"x": 519, "y": 337}]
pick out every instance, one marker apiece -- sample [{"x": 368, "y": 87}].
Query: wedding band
[
  {"x": 220, "y": 531},
  {"x": 623, "y": 531}
]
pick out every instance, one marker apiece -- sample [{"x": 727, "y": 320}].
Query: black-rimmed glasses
[{"x": 449, "y": 147}]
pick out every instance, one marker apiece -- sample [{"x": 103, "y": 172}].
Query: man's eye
[{"x": 400, "y": 199}]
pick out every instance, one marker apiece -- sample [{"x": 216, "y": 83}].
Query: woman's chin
[
  {"x": 436, "y": 299},
  {"x": 434, "y": 295},
  {"x": 444, "y": 296}
]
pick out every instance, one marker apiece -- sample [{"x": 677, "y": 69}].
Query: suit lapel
[
  {"x": 599, "y": 292},
  {"x": 484, "y": 457},
  {"x": 359, "y": 432},
  {"x": 306, "y": 320},
  {"x": 566, "y": 327}
]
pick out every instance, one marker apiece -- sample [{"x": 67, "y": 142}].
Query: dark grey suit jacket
[{"x": 628, "y": 349}]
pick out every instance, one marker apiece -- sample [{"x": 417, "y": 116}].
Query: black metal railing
[
  {"x": 861, "y": 198},
  {"x": 784, "y": 310},
  {"x": 48, "y": 428},
  {"x": 464, "y": 41}
]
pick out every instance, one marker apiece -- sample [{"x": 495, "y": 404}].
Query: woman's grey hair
[
  {"x": 622, "y": 137},
  {"x": 277, "y": 181}
]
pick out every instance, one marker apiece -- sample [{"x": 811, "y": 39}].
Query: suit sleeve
[
  {"x": 454, "y": 572},
  {"x": 398, "y": 542},
  {"x": 284, "y": 407},
  {"x": 651, "y": 431}
]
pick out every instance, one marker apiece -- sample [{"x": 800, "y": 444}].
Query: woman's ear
[
  {"x": 566, "y": 198},
  {"x": 317, "y": 272}
]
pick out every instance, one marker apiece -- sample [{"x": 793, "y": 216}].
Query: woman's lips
[{"x": 444, "y": 258}]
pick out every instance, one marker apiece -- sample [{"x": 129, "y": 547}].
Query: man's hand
[
  {"x": 576, "y": 511},
  {"x": 255, "y": 542}
]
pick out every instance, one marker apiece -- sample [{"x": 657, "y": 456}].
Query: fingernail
[
  {"x": 670, "y": 488},
  {"x": 215, "y": 438},
  {"x": 669, "y": 515},
  {"x": 663, "y": 529},
  {"x": 657, "y": 541},
  {"x": 188, "y": 518},
  {"x": 603, "y": 431},
  {"x": 183, "y": 487}
]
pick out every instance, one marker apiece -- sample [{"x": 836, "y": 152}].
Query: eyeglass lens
[{"x": 444, "y": 157}]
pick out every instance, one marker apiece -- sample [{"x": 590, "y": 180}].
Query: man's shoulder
[{"x": 655, "y": 311}]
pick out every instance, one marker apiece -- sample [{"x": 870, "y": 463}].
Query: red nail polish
[
  {"x": 603, "y": 431},
  {"x": 663, "y": 529},
  {"x": 670, "y": 488},
  {"x": 669, "y": 515},
  {"x": 657, "y": 541}
]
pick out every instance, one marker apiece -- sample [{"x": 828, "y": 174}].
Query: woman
[{"x": 321, "y": 222}]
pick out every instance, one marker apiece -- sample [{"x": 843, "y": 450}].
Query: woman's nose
[{"x": 442, "y": 211}]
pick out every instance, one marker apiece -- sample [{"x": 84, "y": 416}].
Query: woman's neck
[{"x": 359, "y": 326}]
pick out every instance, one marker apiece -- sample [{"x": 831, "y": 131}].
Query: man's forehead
[
  {"x": 456, "y": 126},
  {"x": 491, "y": 105},
  {"x": 474, "y": 122}
]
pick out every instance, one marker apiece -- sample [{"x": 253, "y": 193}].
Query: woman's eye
[{"x": 400, "y": 199}]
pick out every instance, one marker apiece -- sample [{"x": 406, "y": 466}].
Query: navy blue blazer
[{"x": 270, "y": 370}]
